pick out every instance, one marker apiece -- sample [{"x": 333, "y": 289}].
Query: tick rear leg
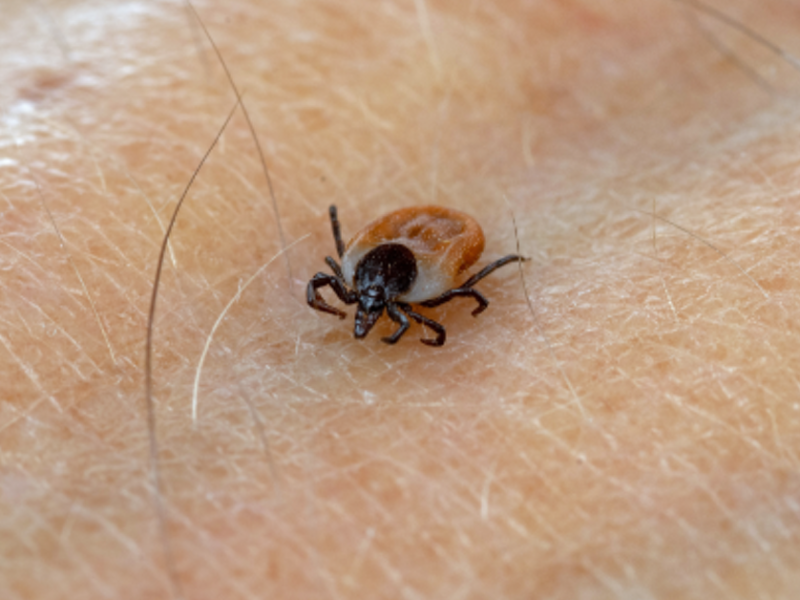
[
  {"x": 397, "y": 317},
  {"x": 467, "y": 290},
  {"x": 441, "y": 334},
  {"x": 456, "y": 293},
  {"x": 500, "y": 262},
  {"x": 315, "y": 300}
]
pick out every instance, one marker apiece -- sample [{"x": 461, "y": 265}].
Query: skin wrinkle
[{"x": 624, "y": 105}]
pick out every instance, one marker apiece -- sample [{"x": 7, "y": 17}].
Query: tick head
[
  {"x": 371, "y": 303},
  {"x": 383, "y": 274}
]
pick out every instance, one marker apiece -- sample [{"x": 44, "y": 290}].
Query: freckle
[{"x": 44, "y": 82}]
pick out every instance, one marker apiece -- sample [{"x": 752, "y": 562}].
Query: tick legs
[
  {"x": 337, "y": 230},
  {"x": 337, "y": 285},
  {"x": 441, "y": 334},
  {"x": 455, "y": 293},
  {"x": 337, "y": 270},
  {"x": 467, "y": 290},
  {"x": 398, "y": 317},
  {"x": 500, "y": 262}
]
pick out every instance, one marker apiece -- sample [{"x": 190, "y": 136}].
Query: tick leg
[
  {"x": 456, "y": 293},
  {"x": 337, "y": 285},
  {"x": 466, "y": 288},
  {"x": 492, "y": 267},
  {"x": 337, "y": 230},
  {"x": 337, "y": 270},
  {"x": 397, "y": 317},
  {"x": 441, "y": 334}
]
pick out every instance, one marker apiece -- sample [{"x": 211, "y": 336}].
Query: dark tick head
[
  {"x": 382, "y": 275},
  {"x": 371, "y": 303}
]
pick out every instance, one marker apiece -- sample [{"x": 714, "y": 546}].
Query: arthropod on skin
[{"x": 410, "y": 256}]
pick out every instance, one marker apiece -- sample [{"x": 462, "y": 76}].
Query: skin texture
[{"x": 638, "y": 438}]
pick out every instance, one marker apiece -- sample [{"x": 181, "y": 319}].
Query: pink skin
[{"x": 647, "y": 447}]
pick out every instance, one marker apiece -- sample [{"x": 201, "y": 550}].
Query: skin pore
[{"x": 636, "y": 438}]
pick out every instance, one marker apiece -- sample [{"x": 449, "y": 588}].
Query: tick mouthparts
[{"x": 364, "y": 321}]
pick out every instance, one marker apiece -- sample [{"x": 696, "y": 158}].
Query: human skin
[{"x": 630, "y": 433}]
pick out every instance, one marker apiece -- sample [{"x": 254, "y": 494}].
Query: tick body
[{"x": 410, "y": 256}]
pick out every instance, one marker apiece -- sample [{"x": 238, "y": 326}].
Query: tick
[{"x": 410, "y": 256}]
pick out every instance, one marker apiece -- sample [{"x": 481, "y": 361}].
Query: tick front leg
[
  {"x": 337, "y": 270},
  {"x": 397, "y": 317},
  {"x": 441, "y": 334},
  {"x": 316, "y": 301},
  {"x": 337, "y": 230},
  {"x": 456, "y": 293}
]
